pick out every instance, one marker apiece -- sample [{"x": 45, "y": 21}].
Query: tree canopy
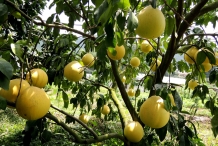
[{"x": 27, "y": 42}]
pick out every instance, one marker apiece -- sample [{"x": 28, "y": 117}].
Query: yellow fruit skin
[
  {"x": 207, "y": 67},
  {"x": 119, "y": 55},
  {"x": 84, "y": 118},
  {"x": 38, "y": 78},
  {"x": 73, "y": 71},
  {"x": 134, "y": 131},
  {"x": 123, "y": 79},
  {"x": 154, "y": 66},
  {"x": 14, "y": 87},
  {"x": 191, "y": 52},
  {"x": 145, "y": 46},
  {"x": 216, "y": 57},
  {"x": 172, "y": 100},
  {"x": 152, "y": 112},
  {"x": 151, "y": 23},
  {"x": 192, "y": 84},
  {"x": 131, "y": 92},
  {"x": 105, "y": 110},
  {"x": 33, "y": 104},
  {"x": 135, "y": 62},
  {"x": 88, "y": 59}
]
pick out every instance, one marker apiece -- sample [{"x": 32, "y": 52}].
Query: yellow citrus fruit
[
  {"x": 84, "y": 118},
  {"x": 154, "y": 65},
  {"x": 134, "y": 131},
  {"x": 191, "y": 53},
  {"x": 135, "y": 62},
  {"x": 145, "y": 46},
  {"x": 207, "y": 67},
  {"x": 73, "y": 71},
  {"x": 216, "y": 57},
  {"x": 131, "y": 92},
  {"x": 105, "y": 110},
  {"x": 172, "y": 100},
  {"x": 152, "y": 112},
  {"x": 192, "y": 84},
  {"x": 38, "y": 77},
  {"x": 33, "y": 103},
  {"x": 195, "y": 57},
  {"x": 151, "y": 23},
  {"x": 14, "y": 88},
  {"x": 120, "y": 52},
  {"x": 88, "y": 59},
  {"x": 123, "y": 79}
]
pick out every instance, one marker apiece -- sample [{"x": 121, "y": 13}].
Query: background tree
[{"x": 28, "y": 42}]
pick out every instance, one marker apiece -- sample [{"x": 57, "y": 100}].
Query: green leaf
[
  {"x": 3, "y": 9},
  {"x": 6, "y": 68},
  {"x": 137, "y": 92},
  {"x": 46, "y": 136},
  {"x": 177, "y": 99},
  {"x": 17, "y": 50},
  {"x": 4, "y": 81},
  {"x": 3, "y": 103},
  {"x": 211, "y": 57},
  {"x": 56, "y": 29},
  {"x": 132, "y": 22},
  {"x": 120, "y": 38},
  {"x": 201, "y": 56},
  {"x": 170, "y": 22},
  {"x": 212, "y": 76},
  {"x": 162, "y": 132},
  {"x": 148, "y": 82},
  {"x": 97, "y": 3},
  {"x": 121, "y": 20},
  {"x": 110, "y": 35},
  {"x": 65, "y": 99},
  {"x": 101, "y": 51},
  {"x": 50, "y": 19},
  {"x": 124, "y": 5}
]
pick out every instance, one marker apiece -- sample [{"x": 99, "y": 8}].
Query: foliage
[{"x": 27, "y": 42}]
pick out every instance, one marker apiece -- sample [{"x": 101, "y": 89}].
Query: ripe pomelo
[
  {"x": 14, "y": 89},
  {"x": 189, "y": 55},
  {"x": 145, "y": 46},
  {"x": 73, "y": 71},
  {"x": 152, "y": 112},
  {"x": 88, "y": 59},
  {"x": 134, "y": 131},
  {"x": 33, "y": 103},
  {"x": 84, "y": 118},
  {"x": 135, "y": 62},
  {"x": 154, "y": 65},
  {"x": 37, "y": 77},
  {"x": 131, "y": 92},
  {"x": 105, "y": 110},
  {"x": 151, "y": 23},
  {"x": 192, "y": 84},
  {"x": 120, "y": 52}
]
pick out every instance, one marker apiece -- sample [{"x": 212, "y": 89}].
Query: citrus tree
[{"x": 119, "y": 40}]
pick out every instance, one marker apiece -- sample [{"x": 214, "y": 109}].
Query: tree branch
[
  {"x": 197, "y": 34},
  {"x": 190, "y": 18},
  {"x": 208, "y": 8},
  {"x": 122, "y": 89},
  {"x": 80, "y": 122},
  {"x": 54, "y": 25},
  {"x": 121, "y": 109},
  {"x": 84, "y": 141}
]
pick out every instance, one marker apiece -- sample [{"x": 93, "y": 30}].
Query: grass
[{"x": 12, "y": 125}]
